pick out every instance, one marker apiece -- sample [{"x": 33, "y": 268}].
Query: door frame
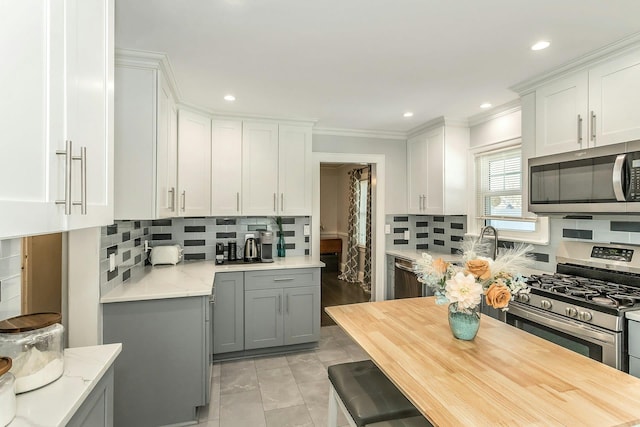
[{"x": 377, "y": 162}]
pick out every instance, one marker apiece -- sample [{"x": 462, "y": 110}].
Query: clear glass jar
[
  {"x": 35, "y": 347},
  {"x": 7, "y": 392}
]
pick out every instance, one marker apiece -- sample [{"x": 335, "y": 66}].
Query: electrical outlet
[
  {"x": 407, "y": 235},
  {"x": 306, "y": 230},
  {"x": 112, "y": 262},
  {"x": 387, "y": 229}
]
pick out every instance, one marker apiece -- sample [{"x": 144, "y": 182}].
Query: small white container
[
  {"x": 7, "y": 392},
  {"x": 35, "y": 344}
]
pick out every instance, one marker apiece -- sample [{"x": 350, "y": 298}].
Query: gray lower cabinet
[
  {"x": 228, "y": 313},
  {"x": 282, "y": 307},
  {"x": 97, "y": 409},
  {"x": 162, "y": 374},
  {"x": 634, "y": 348}
]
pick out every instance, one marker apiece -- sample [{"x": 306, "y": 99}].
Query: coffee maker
[
  {"x": 219, "y": 253},
  {"x": 266, "y": 246}
]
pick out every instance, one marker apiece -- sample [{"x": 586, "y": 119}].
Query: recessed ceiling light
[
  {"x": 408, "y": 114},
  {"x": 229, "y": 98},
  {"x": 485, "y": 105},
  {"x": 542, "y": 44}
]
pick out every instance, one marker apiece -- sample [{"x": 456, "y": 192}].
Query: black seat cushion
[
  {"x": 418, "y": 421},
  {"x": 368, "y": 394}
]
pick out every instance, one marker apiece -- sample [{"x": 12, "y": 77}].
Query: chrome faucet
[{"x": 495, "y": 242}]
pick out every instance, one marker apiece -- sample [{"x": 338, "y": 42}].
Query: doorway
[{"x": 42, "y": 274}]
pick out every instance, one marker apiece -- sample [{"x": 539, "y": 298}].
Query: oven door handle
[
  {"x": 405, "y": 268},
  {"x": 583, "y": 331}
]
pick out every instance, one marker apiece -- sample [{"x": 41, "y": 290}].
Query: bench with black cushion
[{"x": 368, "y": 396}]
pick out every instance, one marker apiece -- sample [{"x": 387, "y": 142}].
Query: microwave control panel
[{"x": 633, "y": 192}]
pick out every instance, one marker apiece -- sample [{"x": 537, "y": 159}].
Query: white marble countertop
[
  {"x": 190, "y": 278},
  {"x": 56, "y": 403}
]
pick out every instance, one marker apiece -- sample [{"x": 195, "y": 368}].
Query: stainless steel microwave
[{"x": 597, "y": 180}]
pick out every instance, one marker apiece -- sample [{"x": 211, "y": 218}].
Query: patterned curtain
[
  {"x": 366, "y": 285},
  {"x": 350, "y": 273}
]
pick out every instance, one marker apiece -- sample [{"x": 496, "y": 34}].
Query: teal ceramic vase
[{"x": 464, "y": 324}]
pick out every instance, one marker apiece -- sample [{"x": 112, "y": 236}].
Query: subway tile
[
  {"x": 145, "y": 231},
  {"x": 422, "y": 235},
  {"x": 438, "y": 242},
  {"x": 112, "y": 229},
  {"x": 194, "y": 243},
  {"x": 306, "y": 251},
  {"x": 505, "y": 244},
  {"x": 286, "y": 233},
  {"x": 457, "y": 238},
  {"x": 438, "y": 230},
  {"x": 540, "y": 257},
  {"x": 137, "y": 242},
  {"x": 112, "y": 250},
  {"x": 577, "y": 234},
  {"x": 225, "y": 221},
  {"x": 400, "y": 229},
  {"x": 577, "y": 217},
  {"x": 257, "y": 227},
  {"x": 136, "y": 225},
  {"x": 400, "y": 219},
  {"x": 455, "y": 251},
  {"x": 188, "y": 257},
  {"x": 633, "y": 227},
  {"x": 438, "y": 219},
  {"x": 161, "y": 222},
  {"x": 422, "y": 224},
  {"x": 291, "y": 246},
  {"x": 195, "y": 228},
  {"x": 161, "y": 236},
  {"x": 112, "y": 274},
  {"x": 126, "y": 275},
  {"x": 226, "y": 235},
  {"x": 288, "y": 220},
  {"x": 126, "y": 255},
  {"x": 306, "y": 239},
  {"x": 457, "y": 226},
  {"x": 400, "y": 242},
  {"x": 126, "y": 236},
  {"x": 137, "y": 259},
  {"x": 422, "y": 246}
]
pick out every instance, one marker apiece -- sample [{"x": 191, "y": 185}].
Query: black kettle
[{"x": 251, "y": 250}]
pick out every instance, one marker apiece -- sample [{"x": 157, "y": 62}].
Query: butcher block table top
[{"x": 504, "y": 377}]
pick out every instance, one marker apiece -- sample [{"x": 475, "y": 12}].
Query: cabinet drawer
[
  {"x": 634, "y": 338},
  {"x": 285, "y": 278}
]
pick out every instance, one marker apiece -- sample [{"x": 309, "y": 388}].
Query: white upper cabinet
[
  {"x": 259, "y": 168},
  {"x": 146, "y": 140},
  {"x": 194, "y": 164},
  {"x": 437, "y": 171},
  {"x": 589, "y": 108},
  {"x": 63, "y": 45},
  {"x": 294, "y": 171},
  {"x": 226, "y": 167},
  {"x": 614, "y": 91},
  {"x": 562, "y": 115}
]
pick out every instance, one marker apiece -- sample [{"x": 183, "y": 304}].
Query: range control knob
[
  {"x": 524, "y": 298},
  {"x": 585, "y": 315},
  {"x": 545, "y": 304},
  {"x": 571, "y": 311}
]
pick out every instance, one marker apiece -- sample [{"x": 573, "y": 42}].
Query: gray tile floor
[{"x": 278, "y": 391}]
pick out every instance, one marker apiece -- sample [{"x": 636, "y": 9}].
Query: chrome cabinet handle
[
  {"x": 283, "y": 279},
  {"x": 593, "y": 126},
  {"x": 172, "y": 198},
  {"x": 67, "y": 177},
  {"x": 238, "y": 202},
  {"x": 579, "y": 129},
  {"x": 281, "y": 202},
  {"x": 275, "y": 197},
  {"x": 83, "y": 180},
  {"x": 184, "y": 200},
  {"x": 280, "y": 304}
]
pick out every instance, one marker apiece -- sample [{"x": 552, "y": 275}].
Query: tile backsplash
[
  {"x": 10, "y": 278},
  {"x": 197, "y": 236},
  {"x": 427, "y": 232}
]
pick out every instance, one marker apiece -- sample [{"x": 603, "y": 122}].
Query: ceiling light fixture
[
  {"x": 485, "y": 105},
  {"x": 408, "y": 114},
  {"x": 229, "y": 98},
  {"x": 542, "y": 44}
]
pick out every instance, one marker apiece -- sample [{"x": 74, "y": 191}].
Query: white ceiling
[{"x": 360, "y": 64}]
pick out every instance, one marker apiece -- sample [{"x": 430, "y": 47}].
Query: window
[
  {"x": 362, "y": 212},
  {"x": 499, "y": 196}
]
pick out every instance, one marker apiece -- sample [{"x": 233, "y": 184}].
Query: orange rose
[
  {"x": 498, "y": 296},
  {"x": 440, "y": 266},
  {"x": 479, "y": 268}
]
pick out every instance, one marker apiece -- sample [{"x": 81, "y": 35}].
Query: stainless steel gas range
[{"x": 582, "y": 306}]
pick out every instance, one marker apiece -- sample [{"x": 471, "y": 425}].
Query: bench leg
[{"x": 334, "y": 403}]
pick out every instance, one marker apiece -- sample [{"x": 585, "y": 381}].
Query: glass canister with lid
[
  {"x": 35, "y": 344},
  {"x": 7, "y": 392}
]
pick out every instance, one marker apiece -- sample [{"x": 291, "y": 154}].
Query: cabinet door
[
  {"x": 263, "y": 318},
  {"x": 167, "y": 152},
  {"x": 294, "y": 174},
  {"x": 31, "y": 116},
  {"x": 614, "y": 90},
  {"x": 226, "y": 167},
  {"x": 259, "y": 168},
  {"x": 562, "y": 116},
  {"x": 89, "y": 91},
  {"x": 434, "y": 200},
  {"x": 228, "y": 313},
  {"x": 301, "y": 315},
  {"x": 417, "y": 173},
  {"x": 194, "y": 164}
]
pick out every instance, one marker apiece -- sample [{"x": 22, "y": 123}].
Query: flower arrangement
[{"x": 499, "y": 280}]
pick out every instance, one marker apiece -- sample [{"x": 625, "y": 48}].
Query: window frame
[{"x": 474, "y": 221}]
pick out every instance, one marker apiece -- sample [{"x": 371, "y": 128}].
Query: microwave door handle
[{"x": 618, "y": 178}]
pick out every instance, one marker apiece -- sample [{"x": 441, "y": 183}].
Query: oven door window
[{"x": 567, "y": 341}]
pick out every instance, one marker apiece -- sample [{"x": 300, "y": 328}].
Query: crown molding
[
  {"x": 361, "y": 133},
  {"x": 437, "y": 122},
  {"x": 496, "y": 112},
  {"x": 145, "y": 59},
  {"x": 225, "y": 115},
  {"x": 604, "y": 53}
]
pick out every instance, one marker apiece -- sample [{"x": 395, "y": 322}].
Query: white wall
[
  {"x": 503, "y": 128},
  {"x": 328, "y": 201},
  {"x": 395, "y": 152}
]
